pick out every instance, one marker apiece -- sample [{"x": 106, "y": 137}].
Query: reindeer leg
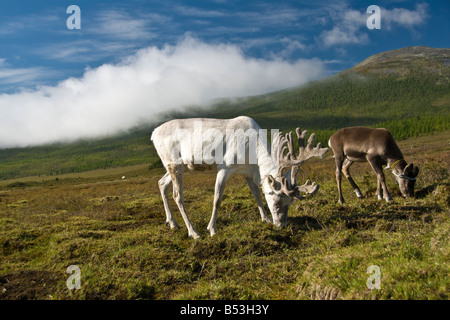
[
  {"x": 381, "y": 187},
  {"x": 164, "y": 184},
  {"x": 387, "y": 195},
  {"x": 346, "y": 170},
  {"x": 176, "y": 173},
  {"x": 257, "y": 195},
  {"x": 339, "y": 160},
  {"x": 221, "y": 180}
]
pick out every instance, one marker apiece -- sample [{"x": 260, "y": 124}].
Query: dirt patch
[{"x": 29, "y": 285}]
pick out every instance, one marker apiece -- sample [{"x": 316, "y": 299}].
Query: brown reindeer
[{"x": 377, "y": 146}]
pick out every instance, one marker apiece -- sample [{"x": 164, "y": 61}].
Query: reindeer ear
[
  {"x": 415, "y": 171},
  {"x": 408, "y": 170},
  {"x": 272, "y": 182},
  {"x": 297, "y": 195},
  {"x": 411, "y": 170}
]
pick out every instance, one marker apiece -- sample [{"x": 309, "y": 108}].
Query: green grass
[
  {"x": 114, "y": 231},
  {"x": 53, "y": 160}
]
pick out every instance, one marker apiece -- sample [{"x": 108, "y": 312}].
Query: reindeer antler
[
  {"x": 308, "y": 151},
  {"x": 289, "y": 160},
  {"x": 286, "y": 160},
  {"x": 294, "y": 191},
  {"x": 305, "y": 152},
  {"x": 308, "y": 188}
]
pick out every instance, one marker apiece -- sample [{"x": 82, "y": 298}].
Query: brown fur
[{"x": 377, "y": 146}]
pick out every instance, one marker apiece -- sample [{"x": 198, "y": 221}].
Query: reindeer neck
[
  {"x": 265, "y": 162},
  {"x": 395, "y": 160},
  {"x": 397, "y": 165}
]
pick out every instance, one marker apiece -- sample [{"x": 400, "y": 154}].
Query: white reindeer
[{"x": 182, "y": 145}]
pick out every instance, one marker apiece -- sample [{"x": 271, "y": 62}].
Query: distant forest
[{"x": 414, "y": 104}]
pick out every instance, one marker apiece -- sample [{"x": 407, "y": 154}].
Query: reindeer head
[
  {"x": 281, "y": 189},
  {"x": 407, "y": 179}
]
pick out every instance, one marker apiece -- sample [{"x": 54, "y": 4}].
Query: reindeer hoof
[
  {"x": 172, "y": 224},
  {"x": 358, "y": 193},
  {"x": 194, "y": 235},
  {"x": 212, "y": 230},
  {"x": 266, "y": 219}
]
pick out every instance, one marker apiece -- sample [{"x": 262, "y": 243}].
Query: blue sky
[
  {"x": 160, "y": 46},
  {"x": 37, "y": 48}
]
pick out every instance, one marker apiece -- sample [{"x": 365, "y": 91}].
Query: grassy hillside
[
  {"x": 406, "y": 91},
  {"x": 53, "y": 160},
  {"x": 348, "y": 99},
  {"x": 114, "y": 231}
]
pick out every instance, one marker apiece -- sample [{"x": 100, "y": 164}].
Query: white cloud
[
  {"x": 154, "y": 80},
  {"x": 12, "y": 76},
  {"x": 15, "y": 25},
  {"x": 108, "y": 35},
  {"x": 122, "y": 26},
  {"x": 343, "y": 35},
  {"x": 349, "y": 26},
  {"x": 11, "y": 27},
  {"x": 272, "y": 15},
  {"x": 85, "y": 50},
  {"x": 404, "y": 17},
  {"x": 196, "y": 12}
]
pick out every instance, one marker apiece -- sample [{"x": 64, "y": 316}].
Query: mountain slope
[
  {"x": 395, "y": 85},
  {"x": 405, "y": 90},
  {"x": 403, "y": 61}
]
